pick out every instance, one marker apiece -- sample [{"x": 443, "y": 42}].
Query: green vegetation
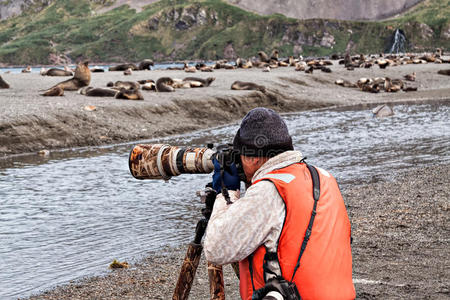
[{"x": 200, "y": 29}]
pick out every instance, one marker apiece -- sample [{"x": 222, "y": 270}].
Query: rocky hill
[
  {"x": 64, "y": 31},
  {"x": 328, "y": 9},
  {"x": 299, "y": 9}
]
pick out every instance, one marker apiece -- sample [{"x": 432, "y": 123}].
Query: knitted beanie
[{"x": 262, "y": 134}]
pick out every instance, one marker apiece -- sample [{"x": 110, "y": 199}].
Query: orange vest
[{"x": 326, "y": 265}]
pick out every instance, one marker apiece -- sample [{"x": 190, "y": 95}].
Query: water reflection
[{"x": 69, "y": 215}]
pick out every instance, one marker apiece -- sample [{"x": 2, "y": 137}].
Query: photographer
[{"x": 265, "y": 229}]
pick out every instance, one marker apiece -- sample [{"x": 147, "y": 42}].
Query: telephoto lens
[{"x": 160, "y": 161}]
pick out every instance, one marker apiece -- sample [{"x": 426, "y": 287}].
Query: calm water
[
  {"x": 104, "y": 67},
  {"x": 71, "y": 214}
]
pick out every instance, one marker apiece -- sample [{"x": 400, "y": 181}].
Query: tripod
[{"x": 194, "y": 251}]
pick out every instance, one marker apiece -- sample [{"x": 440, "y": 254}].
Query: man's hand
[{"x": 230, "y": 180}]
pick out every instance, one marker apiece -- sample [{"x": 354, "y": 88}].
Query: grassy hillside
[{"x": 201, "y": 29}]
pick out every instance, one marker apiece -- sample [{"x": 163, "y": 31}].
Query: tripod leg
[
  {"x": 216, "y": 287},
  {"x": 187, "y": 272},
  {"x": 235, "y": 267}
]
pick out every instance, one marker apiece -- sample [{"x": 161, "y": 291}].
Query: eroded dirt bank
[
  {"x": 400, "y": 248},
  {"x": 29, "y": 122}
]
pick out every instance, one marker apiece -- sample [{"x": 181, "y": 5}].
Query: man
[{"x": 265, "y": 229}]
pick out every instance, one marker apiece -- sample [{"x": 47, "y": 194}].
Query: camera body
[
  {"x": 226, "y": 156},
  {"x": 287, "y": 290}
]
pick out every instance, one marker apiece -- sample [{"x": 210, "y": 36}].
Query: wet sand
[
  {"x": 30, "y": 122},
  {"x": 400, "y": 248}
]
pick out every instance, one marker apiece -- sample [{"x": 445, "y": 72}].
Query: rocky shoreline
[
  {"x": 30, "y": 122},
  {"x": 400, "y": 248}
]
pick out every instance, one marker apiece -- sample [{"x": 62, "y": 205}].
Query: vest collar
[{"x": 277, "y": 162}]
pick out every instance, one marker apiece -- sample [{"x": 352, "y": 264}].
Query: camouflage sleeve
[{"x": 237, "y": 230}]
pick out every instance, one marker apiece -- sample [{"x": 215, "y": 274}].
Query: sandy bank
[
  {"x": 400, "y": 248},
  {"x": 29, "y": 122}
]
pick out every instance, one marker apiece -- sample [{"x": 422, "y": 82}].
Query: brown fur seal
[
  {"x": 3, "y": 84},
  {"x": 81, "y": 78},
  {"x": 310, "y": 70},
  {"x": 54, "y": 91},
  {"x": 345, "y": 83},
  {"x": 205, "y": 82},
  {"x": 189, "y": 69},
  {"x": 97, "y": 92},
  {"x": 127, "y": 72},
  {"x": 58, "y": 72},
  {"x": 240, "y": 85},
  {"x": 163, "y": 84},
  {"x": 444, "y": 72},
  {"x": 382, "y": 63},
  {"x": 206, "y": 69},
  {"x": 97, "y": 69},
  {"x": 123, "y": 67},
  {"x": 274, "y": 55},
  {"x": 129, "y": 94},
  {"x": 26, "y": 70},
  {"x": 149, "y": 86},
  {"x": 325, "y": 69},
  {"x": 129, "y": 85},
  {"x": 263, "y": 57},
  {"x": 410, "y": 77},
  {"x": 146, "y": 64}
]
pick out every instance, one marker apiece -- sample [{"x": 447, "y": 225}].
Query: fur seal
[
  {"x": 97, "y": 69},
  {"x": 240, "y": 85},
  {"x": 129, "y": 94},
  {"x": 163, "y": 84},
  {"x": 146, "y": 64},
  {"x": 310, "y": 70},
  {"x": 149, "y": 86},
  {"x": 54, "y": 91},
  {"x": 263, "y": 57},
  {"x": 127, "y": 71},
  {"x": 382, "y": 63},
  {"x": 58, "y": 72},
  {"x": 300, "y": 67},
  {"x": 266, "y": 69},
  {"x": 205, "y": 82},
  {"x": 81, "y": 78},
  {"x": 206, "y": 69},
  {"x": 382, "y": 111},
  {"x": 345, "y": 83},
  {"x": 410, "y": 77},
  {"x": 129, "y": 85},
  {"x": 26, "y": 70},
  {"x": 444, "y": 72},
  {"x": 3, "y": 84},
  {"x": 274, "y": 55},
  {"x": 189, "y": 69},
  {"x": 123, "y": 67},
  {"x": 325, "y": 69},
  {"x": 97, "y": 92}
]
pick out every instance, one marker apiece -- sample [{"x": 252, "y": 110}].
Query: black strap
[
  {"x": 316, "y": 195},
  {"x": 250, "y": 268}
]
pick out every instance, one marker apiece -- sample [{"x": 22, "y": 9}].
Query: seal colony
[{"x": 131, "y": 90}]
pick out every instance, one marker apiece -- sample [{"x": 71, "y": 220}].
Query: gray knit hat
[{"x": 262, "y": 134}]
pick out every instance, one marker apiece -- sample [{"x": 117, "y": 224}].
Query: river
[{"x": 70, "y": 214}]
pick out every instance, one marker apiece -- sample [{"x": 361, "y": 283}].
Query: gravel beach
[
  {"x": 400, "y": 230},
  {"x": 30, "y": 122}
]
